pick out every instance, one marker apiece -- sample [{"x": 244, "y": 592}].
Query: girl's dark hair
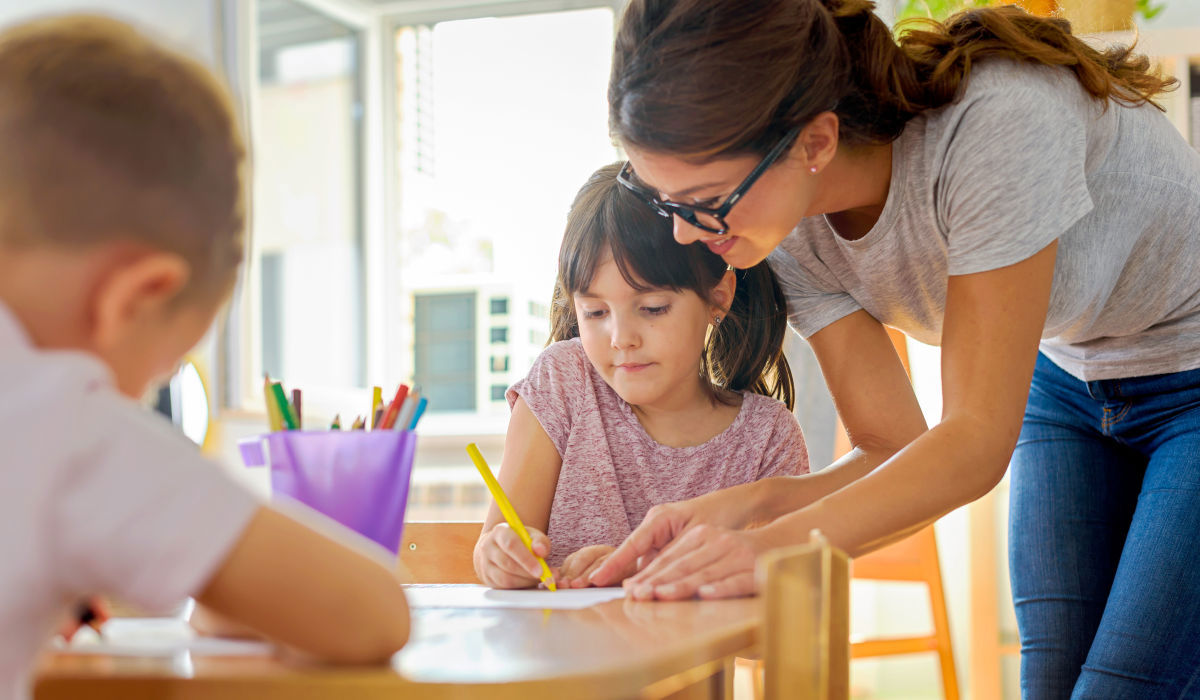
[
  {"x": 713, "y": 78},
  {"x": 743, "y": 353}
]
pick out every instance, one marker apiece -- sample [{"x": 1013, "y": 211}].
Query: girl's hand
[
  {"x": 503, "y": 561},
  {"x": 580, "y": 565},
  {"x": 728, "y": 508},
  {"x": 706, "y": 561}
]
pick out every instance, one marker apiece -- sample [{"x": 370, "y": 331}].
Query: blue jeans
[{"x": 1104, "y": 536}]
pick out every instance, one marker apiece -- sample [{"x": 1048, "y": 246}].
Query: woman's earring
[
  {"x": 716, "y": 320},
  {"x": 813, "y": 170}
]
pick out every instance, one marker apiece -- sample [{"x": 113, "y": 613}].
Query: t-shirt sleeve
[
  {"x": 142, "y": 515},
  {"x": 815, "y": 299},
  {"x": 787, "y": 453},
  {"x": 1012, "y": 179},
  {"x": 551, "y": 388}
]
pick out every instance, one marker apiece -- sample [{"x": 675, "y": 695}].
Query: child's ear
[
  {"x": 722, "y": 294},
  {"x": 134, "y": 292}
]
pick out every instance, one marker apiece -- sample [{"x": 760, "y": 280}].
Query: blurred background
[{"x": 412, "y": 163}]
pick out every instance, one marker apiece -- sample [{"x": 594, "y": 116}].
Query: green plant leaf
[
  {"x": 939, "y": 9},
  {"x": 1149, "y": 11}
]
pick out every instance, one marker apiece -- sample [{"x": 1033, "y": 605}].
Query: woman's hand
[
  {"x": 706, "y": 561},
  {"x": 503, "y": 561},
  {"x": 729, "y": 508},
  {"x": 579, "y": 566}
]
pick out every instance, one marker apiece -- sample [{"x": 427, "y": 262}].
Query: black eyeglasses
[{"x": 711, "y": 219}]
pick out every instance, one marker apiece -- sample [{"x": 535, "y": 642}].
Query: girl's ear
[{"x": 722, "y": 294}]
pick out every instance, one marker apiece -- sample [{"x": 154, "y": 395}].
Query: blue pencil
[{"x": 417, "y": 414}]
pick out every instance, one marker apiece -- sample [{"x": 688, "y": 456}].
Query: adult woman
[{"x": 992, "y": 185}]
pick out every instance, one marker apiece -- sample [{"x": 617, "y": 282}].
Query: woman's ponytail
[{"x": 680, "y": 69}]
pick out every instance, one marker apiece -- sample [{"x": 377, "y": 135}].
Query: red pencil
[{"x": 394, "y": 408}]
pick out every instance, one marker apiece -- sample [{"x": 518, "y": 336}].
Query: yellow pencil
[
  {"x": 274, "y": 415},
  {"x": 376, "y": 404},
  {"x": 510, "y": 514}
]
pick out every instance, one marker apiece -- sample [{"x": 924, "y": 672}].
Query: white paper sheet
[
  {"x": 154, "y": 636},
  {"x": 468, "y": 596}
]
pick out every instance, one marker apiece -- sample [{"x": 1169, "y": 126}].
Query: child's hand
[
  {"x": 93, "y": 612},
  {"x": 503, "y": 561},
  {"x": 580, "y": 565}
]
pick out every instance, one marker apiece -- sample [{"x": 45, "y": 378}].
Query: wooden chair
[
  {"x": 440, "y": 552},
  {"x": 806, "y": 641},
  {"x": 912, "y": 559}
]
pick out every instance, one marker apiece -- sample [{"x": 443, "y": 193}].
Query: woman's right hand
[
  {"x": 503, "y": 561},
  {"x": 729, "y": 508}
]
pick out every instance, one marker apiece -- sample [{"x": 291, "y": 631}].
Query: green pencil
[{"x": 285, "y": 408}]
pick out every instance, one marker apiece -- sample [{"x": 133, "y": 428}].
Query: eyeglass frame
[{"x": 687, "y": 212}]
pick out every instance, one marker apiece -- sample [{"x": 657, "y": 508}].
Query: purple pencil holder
[{"x": 358, "y": 478}]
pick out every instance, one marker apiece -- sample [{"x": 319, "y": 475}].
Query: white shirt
[{"x": 98, "y": 496}]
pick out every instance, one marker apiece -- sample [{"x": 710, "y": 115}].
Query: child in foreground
[
  {"x": 659, "y": 385},
  {"x": 121, "y": 222}
]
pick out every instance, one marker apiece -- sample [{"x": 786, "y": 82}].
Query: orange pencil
[{"x": 393, "y": 410}]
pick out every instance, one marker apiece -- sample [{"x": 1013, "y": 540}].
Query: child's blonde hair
[{"x": 106, "y": 136}]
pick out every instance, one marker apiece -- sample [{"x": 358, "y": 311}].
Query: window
[
  {"x": 409, "y": 203},
  {"x": 498, "y": 392},
  {"x": 307, "y": 214},
  {"x": 444, "y": 350}
]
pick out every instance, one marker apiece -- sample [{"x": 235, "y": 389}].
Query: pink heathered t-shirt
[{"x": 613, "y": 471}]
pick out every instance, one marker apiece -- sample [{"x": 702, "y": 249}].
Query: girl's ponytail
[{"x": 745, "y": 350}]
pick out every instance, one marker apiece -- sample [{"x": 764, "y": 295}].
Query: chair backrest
[
  {"x": 913, "y": 558},
  {"x": 806, "y": 645},
  {"x": 440, "y": 552}
]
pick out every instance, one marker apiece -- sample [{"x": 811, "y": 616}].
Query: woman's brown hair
[
  {"x": 744, "y": 352},
  {"x": 712, "y": 78}
]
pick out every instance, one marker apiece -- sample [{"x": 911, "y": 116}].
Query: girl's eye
[
  {"x": 592, "y": 315},
  {"x": 710, "y": 203},
  {"x": 657, "y": 310}
]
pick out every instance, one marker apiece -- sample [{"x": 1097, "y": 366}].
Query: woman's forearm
[
  {"x": 782, "y": 495},
  {"x": 952, "y": 464}
]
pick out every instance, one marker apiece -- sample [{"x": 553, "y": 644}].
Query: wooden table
[{"x": 620, "y": 649}]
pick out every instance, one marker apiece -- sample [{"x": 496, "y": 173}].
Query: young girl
[{"x": 664, "y": 380}]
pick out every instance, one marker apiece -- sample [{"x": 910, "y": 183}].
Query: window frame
[{"x": 240, "y": 340}]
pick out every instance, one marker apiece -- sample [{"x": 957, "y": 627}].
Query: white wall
[{"x": 1176, "y": 13}]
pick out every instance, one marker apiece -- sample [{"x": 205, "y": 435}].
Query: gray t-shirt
[{"x": 1024, "y": 157}]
